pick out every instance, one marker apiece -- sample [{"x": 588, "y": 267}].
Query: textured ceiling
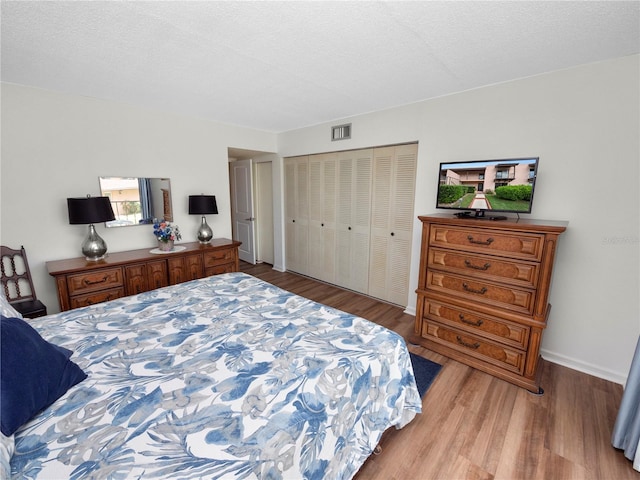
[{"x": 278, "y": 66}]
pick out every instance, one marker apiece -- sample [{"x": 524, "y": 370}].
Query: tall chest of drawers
[{"x": 483, "y": 292}]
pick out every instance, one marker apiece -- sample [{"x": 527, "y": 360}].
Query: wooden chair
[{"x": 17, "y": 283}]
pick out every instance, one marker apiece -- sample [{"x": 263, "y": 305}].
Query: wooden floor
[{"x": 474, "y": 426}]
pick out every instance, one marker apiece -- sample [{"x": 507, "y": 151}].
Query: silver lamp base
[
  {"x": 205, "y": 234},
  {"x": 94, "y": 247}
]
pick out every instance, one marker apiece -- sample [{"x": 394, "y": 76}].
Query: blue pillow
[{"x": 34, "y": 373}]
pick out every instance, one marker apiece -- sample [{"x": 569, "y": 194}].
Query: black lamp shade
[
  {"x": 202, "y": 205},
  {"x": 88, "y": 210}
]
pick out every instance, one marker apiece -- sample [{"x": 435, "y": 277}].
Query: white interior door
[{"x": 242, "y": 208}]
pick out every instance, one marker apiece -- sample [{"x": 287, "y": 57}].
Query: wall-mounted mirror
[{"x": 137, "y": 201}]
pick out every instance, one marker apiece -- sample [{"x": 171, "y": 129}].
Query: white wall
[
  {"x": 56, "y": 146},
  {"x": 582, "y": 122},
  {"x": 584, "y": 125}
]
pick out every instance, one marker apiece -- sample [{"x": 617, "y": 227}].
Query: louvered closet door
[
  {"x": 353, "y": 219},
  {"x": 393, "y": 193},
  {"x": 343, "y": 221},
  {"x": 296, "y": 179},
  {"x": 322, "y": 216},
  {"x": 315, "y": 216}
]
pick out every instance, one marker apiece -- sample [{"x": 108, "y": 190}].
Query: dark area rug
[{"x": 425, "y": 371}]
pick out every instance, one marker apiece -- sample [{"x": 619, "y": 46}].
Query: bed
[{"x": 223, "y": 377}]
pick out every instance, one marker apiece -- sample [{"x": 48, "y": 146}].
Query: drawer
[
  {"x": 526, "y": 246},
  {"x": 92, "y": 281},
  {"x": 98, "y": 297},
  {"x": 513, "y": 272},
  {"x": 217, "y": 270},
  {"x": 218, "y": 257},
  {"x": 474, "y": 346},
  {"x": 496, "y": 329},
  {"x": 511, "y": 298}
]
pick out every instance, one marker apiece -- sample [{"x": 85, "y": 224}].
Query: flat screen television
[{"x": 482, "y": 187}]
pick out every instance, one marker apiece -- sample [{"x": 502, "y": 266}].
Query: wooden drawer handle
[
  {"x": 465, "y": 344},
  {"x": 106, "y": 299},
  {"x": 88, "y": 282},
  {"x": 467, "y": 288},
  {"x": 477, "y": 323},
  {"x": 489, "y": 240},
  {"x": 484, "y": 267}
]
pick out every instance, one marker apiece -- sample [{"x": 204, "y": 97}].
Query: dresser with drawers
[
  {"x": 483, "y": 292},
  {"x": 81, "y": 282}
]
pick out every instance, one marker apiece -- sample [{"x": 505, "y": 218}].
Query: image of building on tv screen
[{"x": 500, "y": 185}]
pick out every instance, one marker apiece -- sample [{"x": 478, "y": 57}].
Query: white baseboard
[
  {"x": 410, "y": 311},
  {"x": 584, "y": 367},
  {"x": 279, "y": 268}
]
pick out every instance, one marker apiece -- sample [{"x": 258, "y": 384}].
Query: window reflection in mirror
[{"x": 137, "y": 201}]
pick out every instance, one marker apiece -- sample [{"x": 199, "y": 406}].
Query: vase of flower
[
  {"x": 166, "y": 234},
  {"x": 165, "y": 245}
]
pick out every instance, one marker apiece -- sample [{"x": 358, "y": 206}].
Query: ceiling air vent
[{"x": 341, "y": 132}]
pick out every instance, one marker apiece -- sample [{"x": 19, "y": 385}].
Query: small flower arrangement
[{"x": 166, "y": 232}]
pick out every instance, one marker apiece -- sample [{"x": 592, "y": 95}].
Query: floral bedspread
[{"x": 223, "y": 377}]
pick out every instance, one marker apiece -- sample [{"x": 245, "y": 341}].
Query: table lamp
[
  {"x": 90, "y": 210},
  {"x": 203, "y": 205}
]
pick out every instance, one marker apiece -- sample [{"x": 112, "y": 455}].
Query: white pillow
[
  {"x": 6, "y": 309},
  {"x": 7, "y": 447}
]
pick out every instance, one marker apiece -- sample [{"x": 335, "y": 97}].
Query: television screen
[{"x": 488, "y": 185}]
